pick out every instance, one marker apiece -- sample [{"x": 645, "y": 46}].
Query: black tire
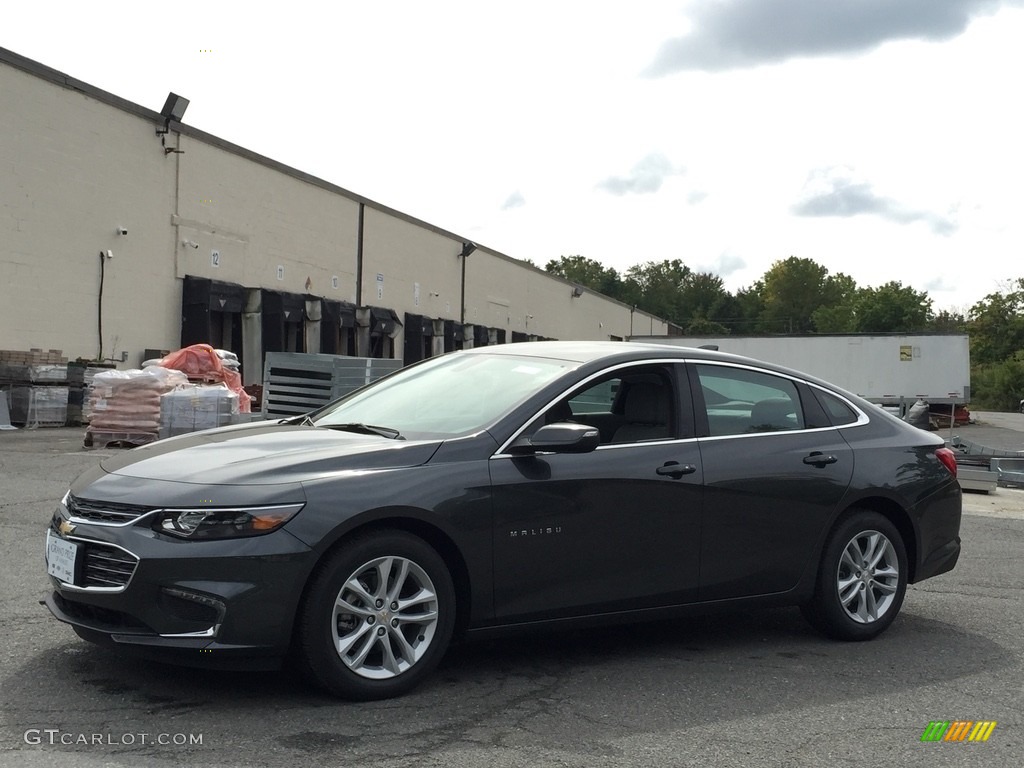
[
  {"x": 368, "y": 649},
  {"x": 873, "y": 596}
]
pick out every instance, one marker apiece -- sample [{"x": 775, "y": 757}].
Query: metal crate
[{"x": 296, "y": 383}]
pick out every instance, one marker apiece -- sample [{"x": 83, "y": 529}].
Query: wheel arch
[
  {"x": 896, "y": 514},
  {"x": 409, "y": 521}
]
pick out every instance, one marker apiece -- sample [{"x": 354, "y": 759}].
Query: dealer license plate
[{"x": 60, "y": 557}]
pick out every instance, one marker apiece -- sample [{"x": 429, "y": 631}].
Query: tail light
[{"x": 948, "y": 459}]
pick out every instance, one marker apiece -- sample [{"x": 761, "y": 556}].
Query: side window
[
  {"x": 838, "y": 411},
  {"x": 626, "y": 406},
  {"x": 599, "y": 398},
  {"x": 741, "y": 402}
]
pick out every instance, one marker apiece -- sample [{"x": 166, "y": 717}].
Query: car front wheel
[
  {"x": 377, "y": 617},
  {"x": 861, "y": 580}
]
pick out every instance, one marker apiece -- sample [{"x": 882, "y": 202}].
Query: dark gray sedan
[{"x": 550, "y": 483}]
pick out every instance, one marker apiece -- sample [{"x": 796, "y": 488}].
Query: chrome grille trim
[
  {"x": 106, "y": 567},
  {"x": 104, "y": 513}
]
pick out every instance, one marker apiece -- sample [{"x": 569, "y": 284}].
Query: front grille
[
  {"x": 106, "y": 566},
  {"x": 105, "y": 511}
]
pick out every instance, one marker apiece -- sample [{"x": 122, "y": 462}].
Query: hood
[{"x": 265, "y": 454}]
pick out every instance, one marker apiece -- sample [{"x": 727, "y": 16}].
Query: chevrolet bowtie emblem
[{"x": 66, "y": 528}]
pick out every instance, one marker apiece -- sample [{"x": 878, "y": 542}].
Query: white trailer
[{"x": 884, "y": 368}]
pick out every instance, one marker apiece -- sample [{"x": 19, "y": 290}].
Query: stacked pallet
[
  {"x": 36, "y": 384},
  {"x": 80, "y": 380},
  {"x": 125, "y": 405},
  {"x": 196, "y": 407},
  {"x": 33, "y": 357}
]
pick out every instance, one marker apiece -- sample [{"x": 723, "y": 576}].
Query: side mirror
[{"x": 558, "y": 438}]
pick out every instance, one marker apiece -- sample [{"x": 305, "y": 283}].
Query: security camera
[{"x": 122, "y": 230}]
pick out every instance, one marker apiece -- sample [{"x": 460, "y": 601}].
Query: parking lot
[{"x": 760, "y": 689}]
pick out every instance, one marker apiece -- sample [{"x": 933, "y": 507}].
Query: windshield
[{"x": 452, "y": 395}]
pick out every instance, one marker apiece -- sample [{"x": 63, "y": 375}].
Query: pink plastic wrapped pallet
[
  {"x": 200, "y": 362},
  {"x": 125, "y": 405}
]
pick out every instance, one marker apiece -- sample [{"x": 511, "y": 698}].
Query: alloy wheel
[
  {"x": 385, "y": 617},
  {"x": 868, "y": 576}
]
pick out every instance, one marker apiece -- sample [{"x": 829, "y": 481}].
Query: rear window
[{"x": 838, "y": 411}]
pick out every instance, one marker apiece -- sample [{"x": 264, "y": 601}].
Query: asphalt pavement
[{"x": 754, "y": 689}]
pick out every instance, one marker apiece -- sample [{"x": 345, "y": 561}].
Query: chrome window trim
[
  {"x": 501, "y": 453},
  {"x": 775, "y": 433},
  {"x": 605, "y": 447},
  {"x": 862, "y": 418}
]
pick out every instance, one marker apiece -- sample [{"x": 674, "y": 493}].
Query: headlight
[{"x": 223, "y": 523}]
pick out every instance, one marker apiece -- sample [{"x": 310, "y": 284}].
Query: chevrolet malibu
[{"x": 548, "y": 483}]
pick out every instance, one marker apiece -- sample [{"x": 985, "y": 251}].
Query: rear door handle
[
  {"x": 819, "y": 459},
  {"x": 675, "y": 470}
]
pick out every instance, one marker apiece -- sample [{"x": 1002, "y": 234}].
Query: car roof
[
  {"x": 580, "y": 351},
  {"x": 586, "y": 352},
  {"x": 606, "y": 351}
]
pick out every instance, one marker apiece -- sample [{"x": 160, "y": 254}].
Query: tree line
[{"x": 798, "y": 295}]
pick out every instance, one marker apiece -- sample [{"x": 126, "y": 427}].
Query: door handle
[
  {"x": 675, "y": 470},
  {"x": 819, "y": 459}
]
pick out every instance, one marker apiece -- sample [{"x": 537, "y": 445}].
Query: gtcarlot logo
[
  {"x": 958, "y": 730},
  {"x": 55, "y": 737}
]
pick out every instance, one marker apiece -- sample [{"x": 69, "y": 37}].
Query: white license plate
[{"x": 60, "y": 558}]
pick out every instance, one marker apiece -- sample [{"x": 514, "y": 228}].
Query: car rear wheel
[
  {"x": 377, "y": 618},
  {"x": 861, "y": 580}
]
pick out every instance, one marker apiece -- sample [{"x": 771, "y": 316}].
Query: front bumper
[{"x": 194, "y": 602}]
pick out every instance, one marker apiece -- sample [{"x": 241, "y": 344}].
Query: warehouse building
[{"x": 124, "y": 231}]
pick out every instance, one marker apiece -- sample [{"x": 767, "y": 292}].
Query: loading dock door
[
  {"x": 211, "y": 313},
  {"x": 419, "y": 338}
]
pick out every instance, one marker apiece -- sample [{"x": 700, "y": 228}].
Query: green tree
[
  {"x": 657, "y": 287},
  {"x": 838, "y": 311},
  {"x": 793, "y": 290},
  {"x": 703, "y": 298},
  {"x": 588, "y": 273},
  {"x": 701, "y": 326},
  {"x": 998, "y": 386},
  {"x": 742, "y": 316},
  {"x": 948, "y": 321},
  {"x": 996, "y": 325},
  {"x": 892, "y": 308}
]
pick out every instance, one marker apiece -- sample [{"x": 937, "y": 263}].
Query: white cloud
[
  {"x": 646, "y": 177},
  {"x": 729, "y": 34},
  {"x": 457, "y": 112},
  {"x": 834, "y": 192},
  {"x": 515, "y": 200}
]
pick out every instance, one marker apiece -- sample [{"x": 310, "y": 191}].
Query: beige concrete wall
[
  {"x": 73, "y": 169},
  {"x": 505, "y": 294},
  {"x": 409, "y": 268},
  {"x": 258, "y": 227}
]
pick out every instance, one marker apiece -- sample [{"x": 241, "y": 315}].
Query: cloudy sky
[{"x": 881, "y": 138}]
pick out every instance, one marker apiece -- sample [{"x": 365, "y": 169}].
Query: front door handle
[
  {"x": 819, "y": 459},
  {"x": 675, "y": 470}
]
